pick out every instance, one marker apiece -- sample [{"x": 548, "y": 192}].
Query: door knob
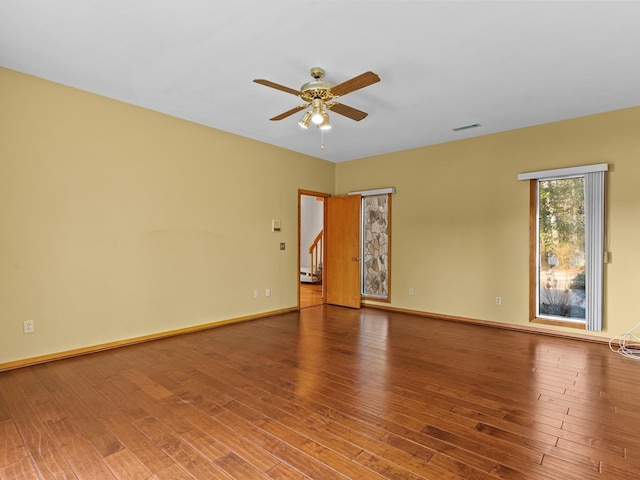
[{"x": 355, "y": 259}]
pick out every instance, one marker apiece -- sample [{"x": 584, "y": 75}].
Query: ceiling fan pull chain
[{"x": 322, "y": 143}]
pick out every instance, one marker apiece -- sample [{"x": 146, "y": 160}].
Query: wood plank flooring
[
  {"x": 310, "y": 295},
  {"x": 328, "y": 393}
]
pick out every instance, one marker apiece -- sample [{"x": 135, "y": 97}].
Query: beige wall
[
  {"x": 460, "y": 217},
  {"x": 117, "y": 222}
]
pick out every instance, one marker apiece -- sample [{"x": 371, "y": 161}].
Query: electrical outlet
[
  {"x": 256, "y": 293},
  {"x": 498, "y": 301},
  {"x": 411, "y": 291},
  {"x": 28, "y": 326},
  {"x": 267, "y": 292}
]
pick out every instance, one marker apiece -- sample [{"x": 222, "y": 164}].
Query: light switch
[{"x": 275, "y": 225}]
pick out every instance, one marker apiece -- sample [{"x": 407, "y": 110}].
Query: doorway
[{"x": 311, "y": 248}]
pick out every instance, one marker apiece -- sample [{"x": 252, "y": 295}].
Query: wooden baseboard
[
  {"x": 487, "y": 323},
  {"x": 172, "y": 333},
  {"x": 133, "y": 341}
]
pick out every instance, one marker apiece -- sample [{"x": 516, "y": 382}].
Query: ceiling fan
[{"x": 321, "y": 95}]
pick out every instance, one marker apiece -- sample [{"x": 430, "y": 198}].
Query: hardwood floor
[
  {"x": 328, "y": 393},
  {"x": 310, "y": 295}
]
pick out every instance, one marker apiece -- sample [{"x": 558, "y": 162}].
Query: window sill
[
  {"x": 372, "y": 298},
  {"x": 559, "y": 323}
]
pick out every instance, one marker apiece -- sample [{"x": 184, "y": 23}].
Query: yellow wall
[
  {"x": 118, "y": 222},
  {"x": 460, "y": 217}
]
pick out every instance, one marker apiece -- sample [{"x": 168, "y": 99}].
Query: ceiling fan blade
[
  {"x": 289, "y": 112},
  {"x": 347, "y": 111},
  {"x": 268, "y": 83},
  {"x": 356, "y": 83}
]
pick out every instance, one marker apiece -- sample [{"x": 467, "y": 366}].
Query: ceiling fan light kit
[
  {"x": 316, "y": 116},
  {"x": 305, "y": 121},
  {"x": 325, "y": 125},
  {"x": 319, "y": 96}
]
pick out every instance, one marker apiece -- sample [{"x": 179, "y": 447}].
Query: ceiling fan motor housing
[{"x": 316, "y": 88}]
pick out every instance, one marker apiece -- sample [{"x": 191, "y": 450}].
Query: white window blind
[{"x": 594, "y": 248}]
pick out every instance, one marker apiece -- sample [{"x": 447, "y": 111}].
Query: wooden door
[{"x": 342, "y": 257}]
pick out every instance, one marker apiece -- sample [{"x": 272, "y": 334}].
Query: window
[
  {"x": 560, "y": 269},
  {"x": 376, "y": 242},
  {"x": 567, "y": 246}
]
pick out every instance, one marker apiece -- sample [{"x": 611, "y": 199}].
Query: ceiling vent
[{"x": 466, "y": 127}]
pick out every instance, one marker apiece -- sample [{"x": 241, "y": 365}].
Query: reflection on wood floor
[
  {"x": 328, "y": 393},
  {"x": 310, "y": 295}
]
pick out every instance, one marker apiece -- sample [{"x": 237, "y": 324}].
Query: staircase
[{"x": 315, "y": 252}]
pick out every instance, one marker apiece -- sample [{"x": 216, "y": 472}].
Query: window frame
[
  {"x": 534, "y": 262},
  {"x": 594, "y": 203}
]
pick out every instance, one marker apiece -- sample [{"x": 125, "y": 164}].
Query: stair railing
[{"x": 315, "y": 252}]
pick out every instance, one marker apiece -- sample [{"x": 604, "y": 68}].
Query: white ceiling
[{"x": 442, "y": 65}]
